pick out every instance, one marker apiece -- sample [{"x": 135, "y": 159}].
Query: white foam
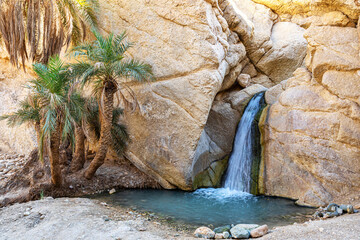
[{"x": 222, "y": 194}]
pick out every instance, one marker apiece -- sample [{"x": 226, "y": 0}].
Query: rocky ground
[
  {"x": 26, "y": 178},
  {"x": 341, "y": 228},
  {"x": 9, "y": 164}
]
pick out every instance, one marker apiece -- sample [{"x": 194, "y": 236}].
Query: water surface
[{"x": 210, "y": 206}]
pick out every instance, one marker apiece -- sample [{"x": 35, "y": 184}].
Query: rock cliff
[{"x": 312, "y": 136}]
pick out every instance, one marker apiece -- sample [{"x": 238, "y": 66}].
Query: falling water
[{"x": 238, "y": 175}]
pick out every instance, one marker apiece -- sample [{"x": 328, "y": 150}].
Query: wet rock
[
  {"x": 240, "y": 233},
  {"x": 259, "y": 232},
  {"x": 204, "y": 232},
  {"x": 347, "y": 208},
  {"x": 222, "y": 229}
]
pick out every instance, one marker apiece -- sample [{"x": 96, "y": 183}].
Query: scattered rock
[
  {"x": 259, "y": 232},
  {"x": 112, "y": 191},
  {"x": 244, "y": 80},
  {"x": 241, "y": 233},
  {"x": 204, "y": 232},
  {"x": 26, "y": 214}
]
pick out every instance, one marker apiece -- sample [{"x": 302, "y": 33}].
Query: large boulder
[
  {"x": 187, "y": 43},
  {"x": 312, "y": 133},
  {"x": 276, "y": 49},
  {"x": 287, "y": 52}
]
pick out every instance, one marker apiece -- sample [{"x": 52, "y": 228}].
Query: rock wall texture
[
  {"x": 312, "y": 133},
  {"x": 20, "y": 139},
  {"x": 187, "y": 42}
]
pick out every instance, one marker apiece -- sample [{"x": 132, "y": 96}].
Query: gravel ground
[
  {"x": 346, "y": 227},
  {"x": 79, "y": 218}
]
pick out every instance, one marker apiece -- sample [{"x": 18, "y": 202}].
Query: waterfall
[{"x": 238, "y": 175}]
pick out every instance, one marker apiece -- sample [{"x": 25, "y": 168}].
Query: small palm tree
[
  {"x": 39, "y": 29},
  {"x": 104, "y": 64},
  {"x": 61, "y": 105},
  {"x": 28, "y": 112}
]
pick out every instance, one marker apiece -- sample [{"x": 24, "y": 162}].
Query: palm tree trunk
[
  {"x": 105, "y": 132},
  {"x": 54, "y": 155},
  {"x": 79, "y": 159},
  {"x": 38, "y": 132}
]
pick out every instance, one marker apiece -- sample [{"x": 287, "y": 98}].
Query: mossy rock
[{"x": 212, "y": 176}]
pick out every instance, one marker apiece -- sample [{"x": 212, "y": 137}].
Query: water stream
[{"x": 238, "y": 175}]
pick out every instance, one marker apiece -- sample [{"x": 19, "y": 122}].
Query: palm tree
[
  {"x": 104, "y": 64},
  {"x": 61, "y": 105},
  {"x": 91, "y": 119},
  {"x": 28, "y": 112},
  {"x": 44, "y": 26}
]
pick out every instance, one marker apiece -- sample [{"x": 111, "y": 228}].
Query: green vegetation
[
  {"x": 103, "y": 64},
  {"x": 60, "y": 113},
  {"x": 39, "y": 29}
]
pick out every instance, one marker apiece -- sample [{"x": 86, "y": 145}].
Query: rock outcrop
[{"x": 312, "y": 133}]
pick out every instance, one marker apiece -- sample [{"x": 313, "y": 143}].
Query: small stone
[
  {"x": 244, "y": 80},
  {"x": 219, "y": 236},
  {"x": 103, "y": 203},
  {"x": 26, "y": 214},
  {"x": 106, "y": 218},
  {"x": 142, "y": 229},
  {"x": 71, "y": 187},
  {"x": 260, "y": 231},
  {"x": 49, "y": 198},
  {"x": 321, "y": 229},
  {"x": 339, "y": 211},
  {"x": 204, "y": 232},
  {"x": 42, "y": 217},
  {"x": 112, "y": 191},
  {"x": 242, "y": 231},
  {"x": 226, "y": 235}
]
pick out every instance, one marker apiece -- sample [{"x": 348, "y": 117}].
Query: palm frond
[{"x": 40, "y": 29}]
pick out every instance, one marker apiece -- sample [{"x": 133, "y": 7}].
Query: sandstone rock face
[
  {"x": 287, "y": 52},
  {"x": 275, "y": 49},
  {"x": 188, "y": 44},
  {"x": 216, "y": 140},
  {"x": 273, "y": 94},
  {"x": 348, "y": 7},
  {"x": 19, "y": 139},
  {"x": 312, "y": 133}
]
